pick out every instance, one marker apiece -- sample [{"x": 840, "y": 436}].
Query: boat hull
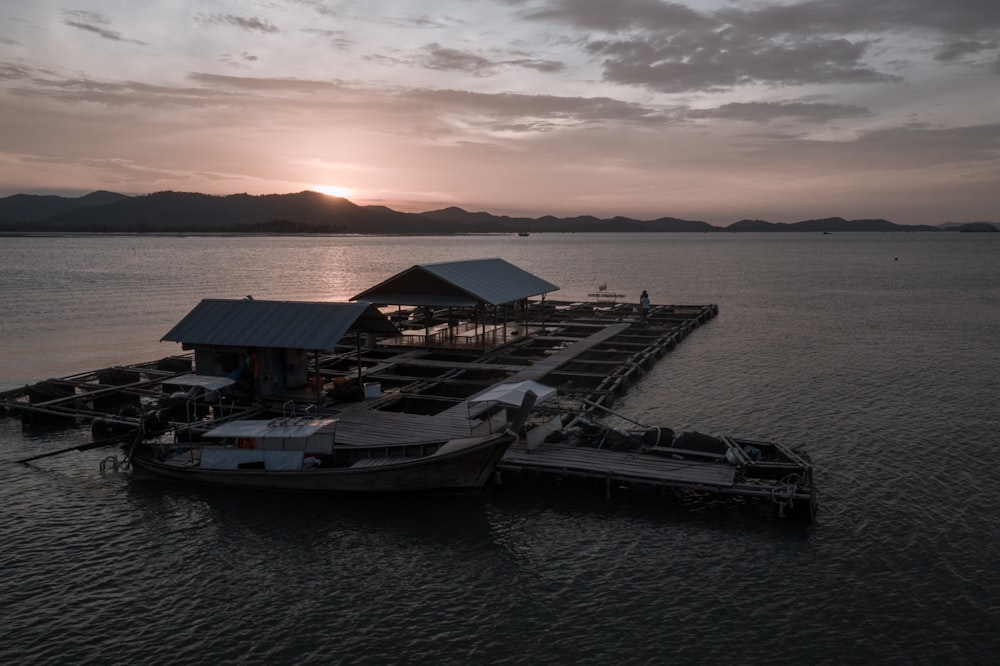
[{"x": 459, "y": 466}]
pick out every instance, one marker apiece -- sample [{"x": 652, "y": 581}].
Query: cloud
[
  {"x": 340, "y": 39},
  {"x": 319, "y": 6},
  {"x": 248, "y": 23},
  {"x": 240, "y": 60},
  {"x": 645, "y": 15},
  {"x": 722, "y": 60},
  {"x": 544, "y": 66},
  {"x": 762, "y": 112},
  {"x": 440, "y": 57},
  {"x": 673, "y": 48},
  {"x": 13, "y": 72},
  {"x": 956, "y": 17},
  {"x": 93, "y": 22},
  {"x": 903, "y": 147},
  {"x": 957, "y": 50},
  {"x": 265, "y": 85}
]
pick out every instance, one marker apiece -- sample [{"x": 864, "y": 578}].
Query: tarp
[
  {"x": 274, "y": 428},
  {"x": 207, "y": 382},
  {"x": 513, "y": 393}
]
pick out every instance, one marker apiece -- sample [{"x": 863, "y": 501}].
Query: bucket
[{"x": 373, "y": 390}]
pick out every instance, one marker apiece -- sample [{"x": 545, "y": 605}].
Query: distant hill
[
  {"x": 34, "y": 207},
  {"x": 829, "y": 224},
  {"x": 304, "y": 212},
  {"x": 312, "y": 212},
  {"x": 970, "y": 226},
  {"x": 486, "y": 222}
]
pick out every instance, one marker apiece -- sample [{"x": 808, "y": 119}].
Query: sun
[{"x": 334, "y": 190}]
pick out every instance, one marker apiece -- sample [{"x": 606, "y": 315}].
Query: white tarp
[
  {"x": 207, "y": 382},
  {"x": 538, "y": 434},
  {"x": 513, "y": 393},
  {"x": 273, "y": 429}
]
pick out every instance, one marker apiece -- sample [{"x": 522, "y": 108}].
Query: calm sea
[{"x": 877, "y": 353}]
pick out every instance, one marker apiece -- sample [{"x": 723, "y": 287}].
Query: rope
[
  {"x": 783, "y": 494},
  {"x": 113, "y": 460}
]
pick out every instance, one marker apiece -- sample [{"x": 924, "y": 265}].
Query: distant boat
[
  {"x": 827, "y": 233},
  {"x": 523, "y": 233}
]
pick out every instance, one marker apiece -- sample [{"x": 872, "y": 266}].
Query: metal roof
[
  {"x": 513, "y": 393},
  {"x": 281, "y": 324},
  {"x": 459, "y": 283}
]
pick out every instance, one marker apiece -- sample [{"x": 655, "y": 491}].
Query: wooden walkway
[
  {"x": 554, "y": 361},
  {"x": 618, "y": 466},
  {"x": 427, "y": 393},
  {"x": 364, "y": 423}
]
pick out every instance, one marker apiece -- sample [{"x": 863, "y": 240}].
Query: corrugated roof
[
  {"x": 282, "y": 324},
  {"x": 459, "y": 283}
]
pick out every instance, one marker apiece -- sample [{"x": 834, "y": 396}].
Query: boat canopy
[
  {"x": 289, "y": 428},
  {"x": 458, "y": 283},
  {"x": 512, "y": 393}
]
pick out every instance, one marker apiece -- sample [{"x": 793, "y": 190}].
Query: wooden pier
[{"x": 423, "y": 386}]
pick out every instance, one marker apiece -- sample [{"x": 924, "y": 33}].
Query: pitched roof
[
  {"x": 282, "y": 324},
  {"x": 459, "y": 283}
]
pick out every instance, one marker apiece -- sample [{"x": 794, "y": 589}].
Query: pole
[
  {"x": 79, "y": 447},
  {"x": 621, "y": 416},
  {"x": 319, "y": 382},
  {"x": 361, "y": 384}
]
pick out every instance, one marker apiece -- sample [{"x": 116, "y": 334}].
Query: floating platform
[{"x": 424, "y": 385}]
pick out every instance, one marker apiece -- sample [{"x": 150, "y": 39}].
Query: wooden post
[
  {"x": 361, "y": 383},
  {"x": 319, "y": 380}
]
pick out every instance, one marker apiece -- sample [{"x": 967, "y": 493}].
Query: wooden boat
[
  {"x": 452, "y": 465},
  {"x": 301, "y": 454}
]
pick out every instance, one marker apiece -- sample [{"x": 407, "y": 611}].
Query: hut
[
  {"x": 265, "y": 346},
  {"x": 459, "y": 303}
]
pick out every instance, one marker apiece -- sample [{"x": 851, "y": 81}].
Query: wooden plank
[
  {"x": 378, "y": 462},
  {"x": 371, "y": 426},
  {"x": 553, "y": 361},
  {"x": 619, "y": 465}
]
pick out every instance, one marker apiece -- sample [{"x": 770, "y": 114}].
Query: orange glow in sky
[{"x": 333, "y": 190}]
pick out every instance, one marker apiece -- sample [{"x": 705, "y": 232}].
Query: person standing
[{"x": 643, "y": 306}]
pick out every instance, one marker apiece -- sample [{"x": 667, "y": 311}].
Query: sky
[{"x": 701, "y": 109}]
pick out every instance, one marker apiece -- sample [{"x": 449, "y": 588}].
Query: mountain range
[{"x": 312, "y": 212}]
